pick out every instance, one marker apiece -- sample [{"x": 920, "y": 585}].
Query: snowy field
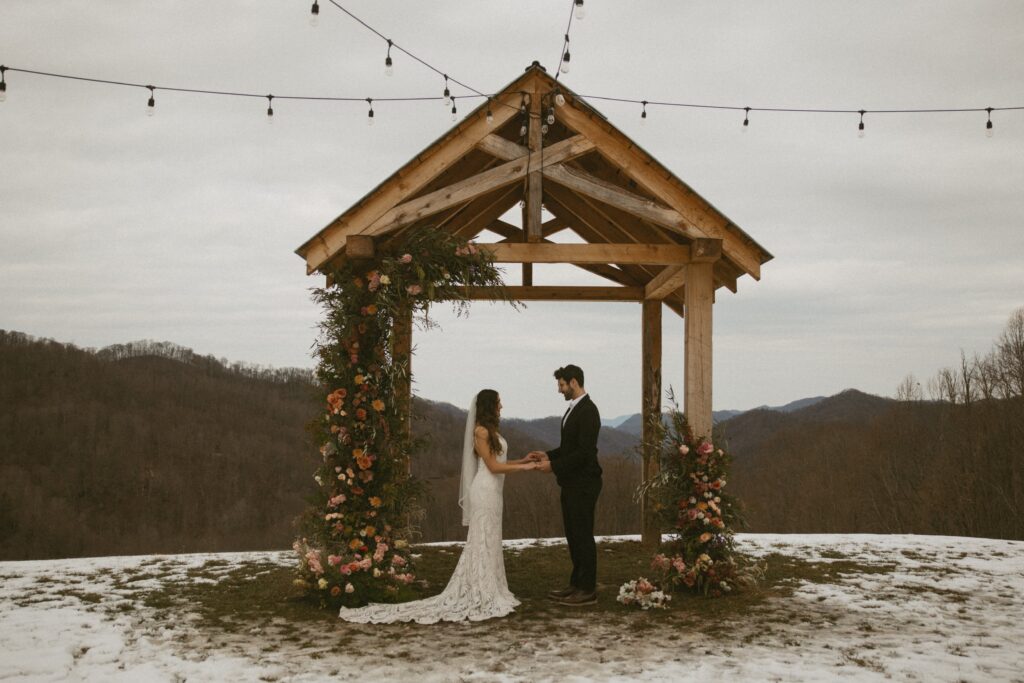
[{"x": 940, "y": 609}]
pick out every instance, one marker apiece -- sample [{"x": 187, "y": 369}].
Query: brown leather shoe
[
  {"x": 562, "y": 593},
  {"x": 580, "y": 598}
]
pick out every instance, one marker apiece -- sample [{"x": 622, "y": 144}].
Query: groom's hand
[
  {"x": 544, "y": 465},
  {"x": 537, "y": 456}
]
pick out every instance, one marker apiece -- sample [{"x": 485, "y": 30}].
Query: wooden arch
[{"x": 646, "y": 231}]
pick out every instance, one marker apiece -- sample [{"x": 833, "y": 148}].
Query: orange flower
[
  {"x": 705, "y": 537},
  {"x": 354, "y": 543},
  {"x": 378, "y": 405},
  {"x": 376, "y": 502},
  {"x": 371, "y": 309},
  {"x": 360, "y": 379},
  {"x": 364, "y": 462},
  {"x": 360, "y": 414},
  {"x": 702, "y": 505},
  {"x": 357, "y": 453},
  {"x": 336, "y": 591},
  {"x": 370, "y": 531}
]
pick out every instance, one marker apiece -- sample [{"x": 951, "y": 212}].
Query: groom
[{"x": 575, "y": 465}]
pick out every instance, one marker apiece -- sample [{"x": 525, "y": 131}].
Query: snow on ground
[{"x": 915, "y": 608}]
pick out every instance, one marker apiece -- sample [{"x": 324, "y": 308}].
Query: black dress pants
[{"x": 578, "y": 503}]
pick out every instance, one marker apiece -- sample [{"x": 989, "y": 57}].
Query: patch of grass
[{"x": 261, "y": 594}]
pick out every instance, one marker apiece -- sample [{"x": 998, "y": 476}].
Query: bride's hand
[{"x": 529, "y": 466}]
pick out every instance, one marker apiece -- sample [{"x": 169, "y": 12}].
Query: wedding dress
[{"x": 478, "y": 588}]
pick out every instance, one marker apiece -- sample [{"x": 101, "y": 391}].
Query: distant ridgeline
[{"x": 150, "y": 448}]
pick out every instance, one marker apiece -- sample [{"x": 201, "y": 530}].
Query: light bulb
[
  {"x": 989, "y": 132},
  {"x": 369, "y": 118},
  {"x": 860, "y": 131},
  {"x": 455, "y": 114},
  {"x": 745, "y": 126},
  {"x": 559, "y": 99},
  {"x": 314, "y": 14},
  {"x": 580, "y": 12},
  {"x": 490, "y": 118},
  {"x": 565, "y": 63},
  {"x": 551, "y": 118},
  {"x": 447, "y": 98},
  {"x": 544, "y": 129},
  {"x": 270, "y": 116},
  {"x": 522, "y": 131},
  {"x": 643, "y": 118},
  {"x": 150, "y": 107},
  {"x": 3, "y": 92},
  {"x": 389, "y": 69}
]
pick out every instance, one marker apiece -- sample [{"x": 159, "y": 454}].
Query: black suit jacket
[{"x": 574, "y": 462}]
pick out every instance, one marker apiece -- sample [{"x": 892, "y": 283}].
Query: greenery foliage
[{"x": 354, "y": 536}]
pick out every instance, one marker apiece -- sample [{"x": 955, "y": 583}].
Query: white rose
[
  {"x": 692, "y": 500},
  {"x": 322, "y": 583},
  {"x": 349, "y": 588},
  {"x": 385, "y": 280},
  {"x": 376, "y": 573},
  {"x": 717, "y": 499}
]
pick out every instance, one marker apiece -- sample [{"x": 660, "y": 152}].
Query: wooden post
[
  {"x": 532, "y": 230},
  {"x": 650, "y": 414},
  {"x": 699, "y": 296},
  {"x": 402, "y": 352}
]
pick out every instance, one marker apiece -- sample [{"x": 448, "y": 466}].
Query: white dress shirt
[{"x": 572, "y": 404}]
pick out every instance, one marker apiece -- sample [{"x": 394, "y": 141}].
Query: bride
[{"x": 478, "y": 589}]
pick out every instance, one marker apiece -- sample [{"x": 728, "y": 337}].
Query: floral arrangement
[
  {"x": 689, "y": 495},
  {"x": 354, "y": 535},
  {"x": 643, "y": 593}
]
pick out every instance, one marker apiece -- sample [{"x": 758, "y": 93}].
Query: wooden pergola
[{"x": 644, "y": 230}]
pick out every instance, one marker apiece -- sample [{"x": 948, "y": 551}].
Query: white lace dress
[{"x": 478, "y": 588}]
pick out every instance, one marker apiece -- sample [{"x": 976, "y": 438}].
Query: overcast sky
[{"x": 892, "y": 252}]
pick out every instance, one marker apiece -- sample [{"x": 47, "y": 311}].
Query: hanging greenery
[{"x": 353, "y": 543}]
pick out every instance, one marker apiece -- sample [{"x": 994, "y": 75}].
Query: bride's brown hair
[{"x": 487, "y": 417}]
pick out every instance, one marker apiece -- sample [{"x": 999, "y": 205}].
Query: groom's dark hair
[{"x": 570, "y": 373}]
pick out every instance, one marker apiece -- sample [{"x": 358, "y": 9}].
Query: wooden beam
[
  {"x": 653, "y": 254},
  {"x": 532, "y": 206},
  {"x": 360, "y": 247},
  {"x": 613, "y": 195},
  {"x": 650, "y": 414},
  {"x": 555, "y": 293},
  {"x": 406, "y": 182},
  {"x": 465, "y": 190},
  {"x": 506, "y": 230},
  {"x": 664, "y": 283},
  {"x": 502, "y": 148},
  {"x": 614, "y": 146},
  {"x": 700, "y": 291},
  {"x": 553, "y": 226}
]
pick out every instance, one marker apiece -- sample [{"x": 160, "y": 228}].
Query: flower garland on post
[
  {"x": 353, "y": 546},
  {"x": 689, "y": 496}
]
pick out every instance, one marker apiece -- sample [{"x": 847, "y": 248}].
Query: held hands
[
  {"x": 537, "y": 460},
  {"x": 536, "y": 456}
]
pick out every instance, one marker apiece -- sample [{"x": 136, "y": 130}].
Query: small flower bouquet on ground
[{"x": 643, "y": 593}]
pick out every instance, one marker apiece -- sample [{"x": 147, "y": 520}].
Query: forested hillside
[{"x": 150, "y": 448}]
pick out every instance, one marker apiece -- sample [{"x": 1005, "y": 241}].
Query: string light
[
  {"x": 643, "y": 113},
  {"x": 314, "y": 14},
  {"x": 490, "y": 115},
  {"x": 559, "y": 98},
  {"x": 580, "y": 12},
  {"x": 860, "y": 128},
  {"x": 369, "y": 114},
  {"x": 447, "y": 92},
  {"x": 3, "y": 84},
  {"x": 389, "y": 69},
  {"x": 746, "y": 119},
  {"x": 270, "y": 108},
  {"x": 564, "y": 68},
  {"x": 989, "y": 132},
  {"x": 455, "y": 112},
  {"x": 551, "y": 116},
  {"x": 151, "y": 105}
]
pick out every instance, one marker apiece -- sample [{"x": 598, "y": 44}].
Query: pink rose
[
  {"x": 314, "y": 562},
  {"x": 407, "y": 258},
  {"x": 334, "y": 560},
  {"x": 678, "y": 564},
  {"x": 705, "y": 448},
  {"x": 414, "y": 289}
]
